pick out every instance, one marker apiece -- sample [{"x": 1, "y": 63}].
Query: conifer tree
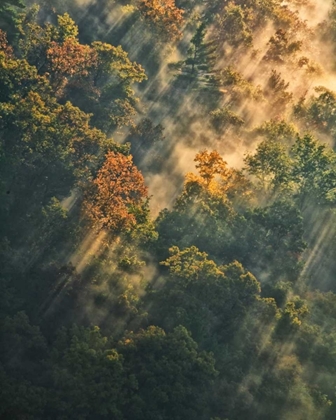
[
  {"x": 9, "y": 10},
  {"x": 199, "y": 67}
]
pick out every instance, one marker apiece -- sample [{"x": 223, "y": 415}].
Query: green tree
[
  {"x": 313, "y": 171},
  {"x": 172, "y": 374},
  {"x": 208, "y": 299},
  {"x": 87, "y": 377},
  {"x": 98, "y": 77},
  {"x": 9, "y": 17},
  {"x": 199, "y": 67},
  {"x": 232, "y": 26},
  {"x": 271, "y": 166}
]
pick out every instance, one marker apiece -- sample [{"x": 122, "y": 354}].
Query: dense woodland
[{"x": 167, "y": 210}]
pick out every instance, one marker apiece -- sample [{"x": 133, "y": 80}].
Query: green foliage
[
  {"x": 319, "y": 111},
  {"x": 238, "y": 87},
  {"x": 276, "y": 91},
  {"x": 87, "y": 377},
  {"x": 9, "y": 16},
  {"x": 178, "y": 381},
  {"x": 97, "y": 78},
  {"x": 220, "y": 118},
  {"x": 199, "y": 67},
  {"x": 291, "y": 317},
  {"x": 314, "y": 170},
  {"x": 306, "y": 168},
  {"x": 209, "y": 299},
  {"x": 280, "y": 131},
  {"x": 270, "y": 165},
  {"x": 233, "y": 26},
  {"x": 280, "y": 47}
]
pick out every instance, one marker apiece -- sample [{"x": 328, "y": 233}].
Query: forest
[{"x": 168, "y": 209}]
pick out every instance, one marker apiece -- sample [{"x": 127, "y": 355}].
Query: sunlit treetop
[
  {"x": 191, "y": 264},
  {"x": 306, "y": 169},
  {"x": 111, "y": 200},
  {"x": 216, "y": 182},
  {"x": 98, "y": 78},
  {"x": 164, "y": 16},
  {"x": 232, "y": 26},
  {"x": 210, "y": 164}
]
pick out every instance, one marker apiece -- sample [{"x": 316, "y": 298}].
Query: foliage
[
  {"x": 233, "y": 26},
  {"x": 97, "y": 77},
  {"x": 164, "y": 16},
  {"x": 115, "y": 193},
  {"x": 9, "y": 16},
  {"x": 199, "y": 67},
  {"x": 220, "y": 118}
]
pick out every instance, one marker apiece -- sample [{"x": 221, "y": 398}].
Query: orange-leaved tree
[
  {"x": 114, "y": 195},
  {"x": 70, "y": 58},
  {"x": 4, "y": 46},
  {"x": 164, "y": 15}
]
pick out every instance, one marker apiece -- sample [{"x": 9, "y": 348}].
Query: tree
[
  {"x": 238, "y": 87},
  {"x": 108, "y": 91},
  {"x": 4, "y": 46},
  {"x": 198, "y": 69},
  {"x": 19, "y": 398},
  {"x": 314, "y": 171},
  {"x": 232, "y": 26},
  {"x": 164, "y": 16},
  {"x": 210, "y": 164},
  {"x": 216, "y": 182},
  {"x": 48, "y": 140},
  {"x": 9, "y": 16},
  {"x": 220, "y": 118},
  {"x": 46, "y": 148},
  {"x": 279, "y": 131},
  {"x": 271, "y": 165},
  {"x": 280, "y": 47},
  {"x": 115, "y": 193},
  {"x": 17, "y": 77},
  {"x": 318, "y": 112},
  {"x": 291, "y": 317},
  {"x": 276, "y": 92},
  {"x": 86, "y": 375},
  {"x": 69, "y": 60},
  {"x": 36, "y": 40},
  {"x": 145, "y": 134},
  {"x": 276, "y": 240},
  {"x": 209, "y": 299},
  {"x": 210, "y": 201},
  {"x": 98, "y": 78},
  {"x": 173, "y": 376}
]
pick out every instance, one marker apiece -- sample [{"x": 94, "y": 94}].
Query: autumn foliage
[
  {"x": 215, "y": 181},
  {"x": 117, "y": 190},
  {"x": 70, "y": 58},
  {"x": 209, "y": 164},
  {"x": 7, "y": 49},
  {"x": 164, "y": 15}
]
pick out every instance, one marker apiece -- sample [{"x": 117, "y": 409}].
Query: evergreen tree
[
  {"x": 9, "y": 10},
  {"x": 199, "y": 66}
]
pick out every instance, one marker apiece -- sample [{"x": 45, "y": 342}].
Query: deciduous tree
[
  {"x": 163, "y": 15},
  {"x": 116, "y": 191}
]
